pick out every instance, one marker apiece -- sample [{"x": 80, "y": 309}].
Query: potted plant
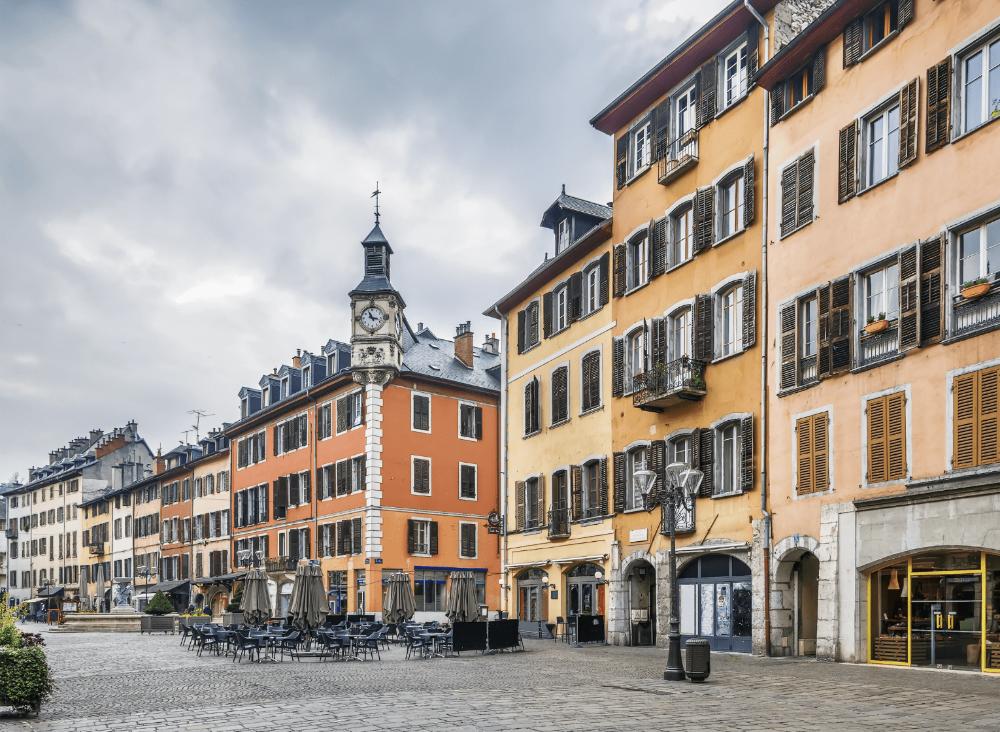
[
  {"x": 974, "y": 289},
  {"x": 25, "y": 679},
  {"x": 154, "y": 619},
  {"x": 876, "y": 324}
]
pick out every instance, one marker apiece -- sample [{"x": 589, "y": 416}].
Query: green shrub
[
  {"x": 25, "y": 679},
  {"x": 159, "y": 605},
  {"x": 10, "y": 636}
]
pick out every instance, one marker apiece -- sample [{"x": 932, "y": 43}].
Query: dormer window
[
  {"x": 562, "y": 235},
  {"x": 306, "y": 377},
  {"x": 331, "y": 364},
  {"x": 284, "y": 387},
  {"x": 244, "y": 407}
]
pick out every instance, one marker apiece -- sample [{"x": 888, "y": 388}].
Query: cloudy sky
[{"x": 183, "y": 185}]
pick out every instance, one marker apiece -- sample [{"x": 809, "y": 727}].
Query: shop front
[{"x": 717, "y": 602}]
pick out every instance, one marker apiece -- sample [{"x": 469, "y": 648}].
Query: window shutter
[
  {"x": 703, "y": 321},
  {"x": 753, "y": 41},
  {"x": 876, "y": 440},
  {"x": 908, "y": 108},
  {"x": 411, "y": 537},
  {"x": 661, "y": 129},
  {"x": 519, "y": 505},
  {"x": 576, "y": 491},
  {"x": 520, "y": 331},
  {"x": 703, "y": 219},
  {"x": 748, "y": 193},
  {"x": 658, "y": 342},
  {"x": 905, "y": 12},
  {"x": 621, "y": 483},
  {"x": 931, "y": 288},
  {"x": 621, "y": 160},
  {"x": 804, "y": 204},
  {"x": 575, "y": 304},
  {"x": 746, "y": 454},
  {"x": 434, "y": 537},
  {"x": 619, "y": 263},
  {"x": 938, "y": 106},
  {"x": 841, "y": 337},
  {"x": 541, "y": 499},
  {"x": 275, "y": 441},
  {"x": 604, "y": 266},
  {"x": 847, "y": 163},
  {"x": 355, "y": 535},
  {"x": 603, "y": 486},
  {"x": 531, "y": 336},
  {"x": 823, "y": 331},
  {"x": 617, "y": 366},
  {"x": 895, "y": 419},
  {"x": 909, "y": 307},
  {"x": 304, "y": 488},
  {"x": 821, "y": 451},
  {"x": 560, "y": 396},
  {"x": 547, "y": 314},
  {"x": 966, "y": 412},
  {"x": 819, "y": 70},
  {"x": 280, "y": 499},
  {"x": 658, "y": 237},
  {"x": 342, "y": 416},
  {"x": 749, "y": 310},
  {"x": 658, "y": 464},
  {"x": 293, "y": 545},
  {"x": 804, "y": 458},
  {"x": 852, "y": 41},
  {"x": 343, "y": 477},
  {"x": 706, "y": 93},
  {"x": 788, "y": 318},
  {"x": 777, "y": 97},
  {"x": 789, "y": 196},
  {"x": 706, "y": 459},
  {"x": 988, "y": 436},
  {"x": 478, "y": 411}
]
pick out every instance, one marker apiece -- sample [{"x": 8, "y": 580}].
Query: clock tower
[{"x": 376, "y": 315}]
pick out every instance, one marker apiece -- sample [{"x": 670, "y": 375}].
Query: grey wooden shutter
[
  {"x": 574, "y": 306},
  {"x": 519, "y": 505},
  {"x": 343, "y": 419},
  {"x": 621, "y": 160},
  {"x": 704, "y": 219},
  {"x": 818, "y": 70},
  {"x": 905, "y": 12},
  {"x": 841, "y": 319},
  {"x": 621, "y": 482},
  {"x": 706, "y": 93},
  {"x": 531, "y": 337},
  {"x": 619, "y": 264},
  {"x": 274, "y": 442},
  {"x": 753, "y": 41},
  {"x": 938, "y": 106},
  {"x": 658, "y": 343},
  {"x": 749, "y": 310},
  {"x": 434, "y": 538},
  {"x": 603, "y": 264},
  {"x": 748, "y": 193},
  {"x": 789, "y": 197},
  {"x": 547, "y": 314},
  {"x": 908, "y": 109},
  {"x": 478, "y": 413},
  {"x": 804, "y": 203},
  {"x": 603, "y": 486},
  {"x": 909, "y": 304},
  {"x": 746, "y": 454},
  {"x": 823, "y": 349},
  {"x": 356, "y": 536},
  {"x": 847, "y": 163},
  {"x": 280, "y": 498},
  {"x": 706, "y": 459},
  {"x": 658, "y": 246},
  {"x": 788, "y": 324},
  {"x": 343, "y": 477},
  {"x": 703, "y": 322},
  {"x": 576, "y": 491},
  {"x": 931, "y": 289},
  {"x": 617, "y": 366},
  {"x": 411, "y": 538},
  {"x": 777, "y": 97},
  {"x": 520, "y": 331},
  {"x": 541, "y": 499},
  {"x": 853, "y": 34},
  {"x": 658, "y": 464},
  {"x": 293, "y": 545},
  {"x": 661, "y": 129},
  {"x": 560, "y": 394}
]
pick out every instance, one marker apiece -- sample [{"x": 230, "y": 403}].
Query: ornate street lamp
[
  {"x": 145, "y": 571},
  {"x": 682, "y": 483}
]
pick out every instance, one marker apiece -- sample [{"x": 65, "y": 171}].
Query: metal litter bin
[{"x": 698, "y": 654}]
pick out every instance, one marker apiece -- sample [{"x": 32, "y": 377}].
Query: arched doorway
[
  {"x": 531, "y": 606},
  {"x": 717, "y": 602},
  {"x": 640, "y": 581},
  {"x": 585, "y": 590}
]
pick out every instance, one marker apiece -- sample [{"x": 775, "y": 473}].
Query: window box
[
  {"x": 877, "y": 326},
  {"x": 975, "y": 289}
]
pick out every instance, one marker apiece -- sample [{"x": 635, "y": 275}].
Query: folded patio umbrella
[
  {"x": 308, "y": 606},
  {"x": 463, "y": 605},
  {"x": 99, "y": 586},
  {"x": 399, "y": 603},
  {"x": 82, "y": 594},
  {"x": 256, "y": 599}
]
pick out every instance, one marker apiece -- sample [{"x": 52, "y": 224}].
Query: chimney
[
  {"x": 159, "y": 462},
  {"x": 53, "y": 457},
  {"x": 463, "y": 343},
  {"x": 95, "y": 435},
  {"x": 297, "y": 358},
  {"x": 491, "y": 345}
]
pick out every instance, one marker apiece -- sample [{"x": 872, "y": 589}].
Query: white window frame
[
  {"x": 742, "y": 70},
  {"x": 728, "y": 287},
  {"x": 882, "y": 113},
  {"x": 281, "y": 432},
  {"x": 682, "y": 211},
  {"x": 671, "y": 442},
  {"x": 685, "y": 310},
  {"x": 532, "y": 506},
  {"x": 562, "y": 235},
  {"x": 285, "y": 387},
  {"x": 560, "y": 308},
  {"x": 688, "y": 92},
  {"x": 885, "y": 267},
  {"x": 359, "y": 485},
  {"x": 475, "y": 534},
  {"x": 980, "y": 46},
  {"x": 736, "y": 423},
  {"x": 430, "y": 415},
  {"x": 980, "y": 226},
  {"x": 306, "y": 376},
  {"x": 805, "y": 342},
  {"x": 638, "y": 334},
  {"x": 357, "y": 406},
  {"x": 736, "y": 181},
  {"x": 640, "y": 158},
  {"x": 425, "y": 550},
  {"x": 473, "y": 405},
  {"x": 591, "y": 289},
  {"x": 333, "y": 419},
  {"x": 633, "y": 502},
  {"x": 590, "y": 466},
  {"x": 413, "y": 475},
  {"x": 475, "y": 482}
]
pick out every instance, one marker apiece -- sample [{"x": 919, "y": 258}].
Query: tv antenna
[{"x": 198, "y": 414}]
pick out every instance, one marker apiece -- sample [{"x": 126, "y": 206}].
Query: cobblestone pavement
[{"x": 128, "y": 682}]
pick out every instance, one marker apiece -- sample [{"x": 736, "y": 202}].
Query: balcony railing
[
  {"x": 680, "y": 380},
  {"x": 679, "y": 155},
  {"x": 981, "y": 313},
  {"x": 10, "y": 532},
  {"x": 807, "y": 369},
  {"x": 558, "y": 523},
  {"x": 879, "y": 346},
  {"x": 96, "y": 548},
  {"x": 279, "y": 564}
]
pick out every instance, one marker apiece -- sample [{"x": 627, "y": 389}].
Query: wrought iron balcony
[
  {"x": 666, "y": 384},
  {"x": 10, "y": 532},
  {"x": 279, "y": 564},
  {"x": 558, "y": 523},
  {"x": 96, "y": 548},
  {"x": 981, "y": 313},
  {"x": 680, "y": 154},
  {"x": 880, "y": 346}
]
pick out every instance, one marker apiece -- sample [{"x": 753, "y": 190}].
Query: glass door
[
  {"x": 528, "y": 603},
  {"x": 946, "y": 620}
]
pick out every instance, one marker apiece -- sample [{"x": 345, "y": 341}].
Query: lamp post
[
  {"x": 681, "y": 486},
  {"x": 145, "y": 572}
]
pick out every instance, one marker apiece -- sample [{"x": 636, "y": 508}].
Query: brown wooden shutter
[
  {"x": 703, "y": 322},
  {"x": 547, "y": 314},
  {"x": 908, "y": 110},
  {"x": 661, "y": 129},
  {"x": 895, "y": 419},
  {"x": 604, "y": 267},
  {"x": 905, "y": 12},
  {"x": 964, "y": 393},
  {"x": 789, "y": 197},
  {"x": 988, "y": 434},
  {"x": 658, "y": 464},
  {"x": 938, "y": 106},
  {"x": 520, "y": 331},
  {"x": 617, "y": 366},
  {"x": 853, "y": 34},
  {"x": 804, "y": 192},
  {"x": 703, "y": 219},
  {"x": 804, "y": 458},
  {"x": 560, "y": 394},
  {"x": 748, "y": 193},
  {"x": 434, "y": 537},
  {"x": 841, "y": 319},
  {"x": 909, "y": 306},
  {"x": 777, "y": 97},
  {"x": 621, "y": 482},
  {"x": 658, "y": 239},
  {"x": 931, "y": 289},
  {"x": 657, "y": 343},
  {"x": 746, "y": 454},
  {"x": 603, "y": 486},
  {"x": 541, "y": 499},
  {"x": 576, "y": 491},
  {"x": 619, "y": 267},
  {"x": 274, "y": 442},
  {"x": 706, "y": 93},
  {"x": 749, "y": 310},
  {"x": 821, "y": 451},
  {"x": 519, "y": 505},
  {"x": 753, "y": 42},
  {"x": 574, "y": 305},
  {"x": 706, "y": 459},
  {"x": 823, "y": 331},
  {"x": 788, "y": 323},
  {"x": 847, "y": 163},
  {"x": 818, "y": 70},
  {"x": 621, "y": 160},
  {"x": 875, "y": 413}
]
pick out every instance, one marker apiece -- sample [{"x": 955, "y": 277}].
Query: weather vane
[{"x": 375, "y": 195}]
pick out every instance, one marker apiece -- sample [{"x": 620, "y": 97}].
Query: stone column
[
  {"x": 827, "y": 616},
  {"x": 617, "y": 599},
  {"x": 373, "y": 472},
  {"x": 758, "y": 585},
  {"x": 662, "y": 564}
]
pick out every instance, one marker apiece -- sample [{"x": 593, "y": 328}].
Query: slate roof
[
  {"x": 427, "y": 355},
  {"x": 572, "y": 203},
  {"x": 375, "y": 282}
]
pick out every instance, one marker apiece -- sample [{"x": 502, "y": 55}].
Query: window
[
  {"x": 641, "y": 149},
  {"x": 797, "y": 206},
  {"x": 250, "y": 451},
  {"x": 728, "y": 437},
  {"x": 812, "y": 454},
  {"x": 291, "y": 434},
  {"x": 359, "y": 476},
  {"x": 532, "y": 407},
  {"x": 881, "y": 144},
  {"x": 324, "y": 421},
  {"x": 734, "y": 75},
  {"x": 975, "y": 434},
  {"x": 979, "y": 252},
  {"x": 592, "y": 291},
  {"x": 467, "y": 545},
  {"x": 284, "y": 387},
  {"x": 685, "y": 104},
  {"x": 731, "y": 321},
  {"x": 637, "y": 264},
  {"x": 886, "y": 436},
  {"x": 798, "y": 88},
  {"x": 420, "y": 475},
  {"x": 423, "y": 537},
  {"x": 590, "y": 497},
  {"x": 421, "y": 412},
  {"x": 306, "y": 377},
  {"x": 732, "y": 197},
  {"x": 679, "y": 334},
  {"x": 879, "y": 24},
  {"x": 560, "y": 395},
  {"x": 635, "y": 358},
  {"x": 980, "y": 90},
  {"x": 680, "y": 450},
  {"x": 349, "y": 412},
  {"x": 527, "y": 328},
  {"x": 591, "y": 381},
  {"x": 467, "y": 482},
  {"x": 532, "y": 503},
  {"x": 429, "y": 589},
  {"x": 681, "y": 227},
  {"x": 470, "y": 421},
  {"x": 808, "y": 318},
  {"x": 636, "y": 461},
  {"x": 882, "y": 293},
  {"x": 562, "y": 235},
  {"x": 561, "y": 308}
]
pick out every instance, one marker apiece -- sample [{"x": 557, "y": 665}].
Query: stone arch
[
  {"x": 627, "y": 590},
  {"x": 795, "y": 590}
]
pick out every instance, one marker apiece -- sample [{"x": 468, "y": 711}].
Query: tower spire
[{"x": 375, "y": 194}]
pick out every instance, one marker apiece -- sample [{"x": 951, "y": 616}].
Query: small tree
[{"x": 159, "y": 605}]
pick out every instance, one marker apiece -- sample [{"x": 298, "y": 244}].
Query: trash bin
[{"x": 698, "y": 655}]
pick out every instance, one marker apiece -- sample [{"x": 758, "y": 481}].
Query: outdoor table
[
  {"x": 265, "y": 641},
  {"x": 434, "y": 636}
]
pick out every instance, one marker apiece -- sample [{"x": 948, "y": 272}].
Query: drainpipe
[
  {"x": 503, "y": 455},
  {"x": 764, "y": 341}
]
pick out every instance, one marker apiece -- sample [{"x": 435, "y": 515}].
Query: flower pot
[
  {"x": 876, "y": 326},
  {"x": 973, "y": 292}
]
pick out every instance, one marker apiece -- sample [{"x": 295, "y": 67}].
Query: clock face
[{"x": 372, "y": 318}]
